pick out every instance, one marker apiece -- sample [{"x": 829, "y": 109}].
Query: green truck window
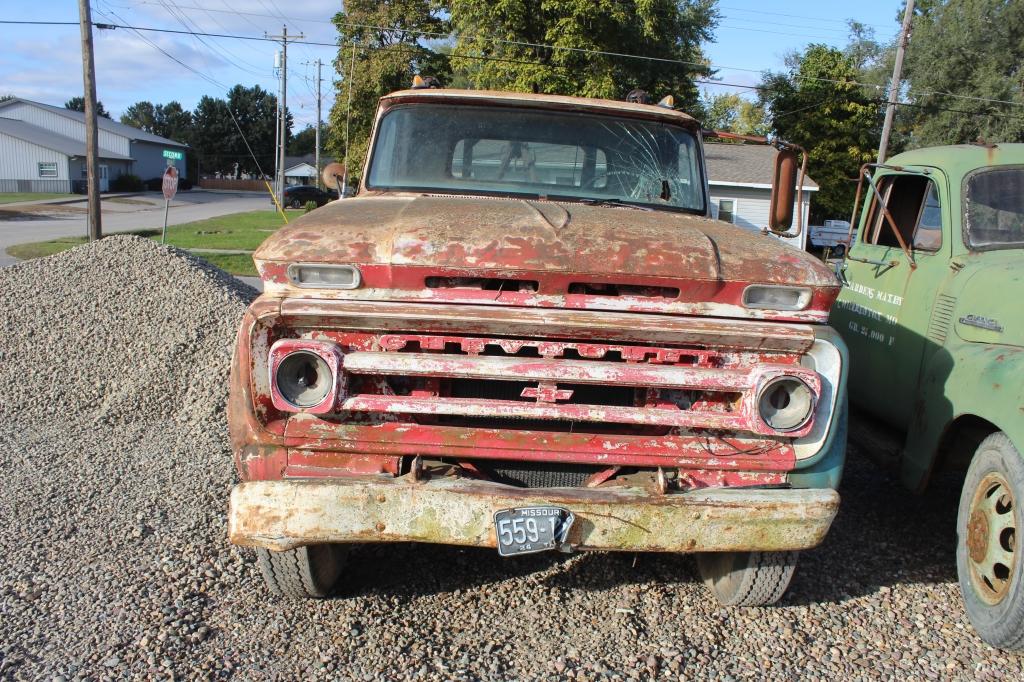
[
  {"x": 913, "y": 202},
  {"x": 994, "y": 202}
]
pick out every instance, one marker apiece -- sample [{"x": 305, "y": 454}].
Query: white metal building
[
  {"x": 42, "y": 149},
  {"x": 740, "y": 182}
]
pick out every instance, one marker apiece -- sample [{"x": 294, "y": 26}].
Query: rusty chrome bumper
[{"x": 281, "y": 515}]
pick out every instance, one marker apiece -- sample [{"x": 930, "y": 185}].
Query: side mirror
[{"x": 784, "y": 190}]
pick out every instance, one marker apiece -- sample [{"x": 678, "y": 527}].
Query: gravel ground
[{"x": 114, "y": 563}]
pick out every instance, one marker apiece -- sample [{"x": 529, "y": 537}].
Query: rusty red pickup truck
[{"x": 526, "y": 333}]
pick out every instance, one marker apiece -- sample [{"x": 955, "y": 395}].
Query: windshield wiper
[{"x": 619, "y": 203}]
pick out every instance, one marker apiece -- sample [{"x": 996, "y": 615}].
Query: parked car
[
  {"x": 931, "y": 310},
  {"x": 526, "y": 333},
  {"x": 296, "y": 196}
]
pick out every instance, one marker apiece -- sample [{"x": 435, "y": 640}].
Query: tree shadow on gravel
[{"x": 882, "y": 536}]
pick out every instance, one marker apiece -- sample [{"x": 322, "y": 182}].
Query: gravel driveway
[{"x": 114, "y": 561}]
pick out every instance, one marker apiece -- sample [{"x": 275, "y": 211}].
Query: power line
[
  {"x": 681, "y": 62},
  {"x": 208, "y": 79}
]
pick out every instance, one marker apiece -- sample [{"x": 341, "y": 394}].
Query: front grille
[{"x": 539, "y": 474}]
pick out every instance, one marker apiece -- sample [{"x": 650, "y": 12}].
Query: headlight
[
  {"x": 305, "y": 375},
  {"x": 776, "y": 297},
  {"x": 328, "y": 276},
  {"x": 785, "y": 403}
]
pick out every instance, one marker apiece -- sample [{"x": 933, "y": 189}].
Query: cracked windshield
[{"x": 549, "y": 154}]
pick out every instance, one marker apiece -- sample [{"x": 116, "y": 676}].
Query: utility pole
[
  {"x": 285, "y": 39},
  {"x": 92, "y": 161},
  {"x": 319, "y": 64},
  {"x": 894, "y": 87}
]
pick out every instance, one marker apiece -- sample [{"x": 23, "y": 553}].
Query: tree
[
  {"x": 304, "y": 141},
  {"x": 78, "y": 104},
  {"x": 662, "y": 29},
  {"x": 820, "y": 106},
  {"x": 971, "y": 48},
  {"x": 386, "y": 59},
  {"x": 141, "y": 115},
  {"x": 169, "y": 120},
  {"x": 217, "y": 141},
  {"x": 4, "y": 98},
  {"x": 728, "y": 111}
]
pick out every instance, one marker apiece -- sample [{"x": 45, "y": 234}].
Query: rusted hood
[{"x": 519, "y": 235}]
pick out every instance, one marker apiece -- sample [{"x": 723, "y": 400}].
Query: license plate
[{"x": 525, "y": 530}]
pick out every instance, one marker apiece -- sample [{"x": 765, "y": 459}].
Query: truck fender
[{"x": 980, "y": 380}]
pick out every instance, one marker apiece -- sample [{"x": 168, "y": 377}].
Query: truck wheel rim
[{"x": 992, "y": 538}]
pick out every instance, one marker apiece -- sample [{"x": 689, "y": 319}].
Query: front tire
[
  {"x": 302, "y": 573},
  {"x": 988, "y": 561},
  {"x": 747, "y": 578},
  {"x": 295, "y": 203}
]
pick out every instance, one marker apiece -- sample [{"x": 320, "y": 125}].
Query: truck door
[{"x": 886, "y": 303}]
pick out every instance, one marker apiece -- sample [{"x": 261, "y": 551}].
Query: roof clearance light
[
  {"x": 776, "y": 297},
  {"x": 667, "y": 102},
  {"x": 418, "y": 82},
  {"x": 320, "y": 276}
]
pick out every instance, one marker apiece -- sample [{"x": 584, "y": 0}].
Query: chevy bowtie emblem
[{"x": 546, "y": 393}]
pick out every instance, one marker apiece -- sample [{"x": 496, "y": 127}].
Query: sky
[{"x": 43, "y": 63}]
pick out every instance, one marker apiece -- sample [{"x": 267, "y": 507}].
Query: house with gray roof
[
  {"x": 740, "y": 183},
  {"x": 42, "y": 149}
]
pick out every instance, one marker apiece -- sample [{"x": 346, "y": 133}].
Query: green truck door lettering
[{"x": 887, "y": 304}]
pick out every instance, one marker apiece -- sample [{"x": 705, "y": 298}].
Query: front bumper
[{"x": 285, "y": 514}]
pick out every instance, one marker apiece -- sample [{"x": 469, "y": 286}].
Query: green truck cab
[{"x": 932, "y": 309}]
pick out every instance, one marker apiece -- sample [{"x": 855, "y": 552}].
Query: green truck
[{"x": 932, "y": 309}]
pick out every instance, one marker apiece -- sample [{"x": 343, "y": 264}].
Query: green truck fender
[
  {"x": 958, "y": 382},
  {"x": 825, "y": 469}
]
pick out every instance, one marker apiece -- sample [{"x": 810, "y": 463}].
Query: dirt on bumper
[{"x": 284, "y": 514}]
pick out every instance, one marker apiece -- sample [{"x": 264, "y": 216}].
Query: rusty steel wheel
[{"x": 988, "y": 553}]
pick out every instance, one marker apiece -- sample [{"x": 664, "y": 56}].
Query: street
[{"x": 145, "y": 211}]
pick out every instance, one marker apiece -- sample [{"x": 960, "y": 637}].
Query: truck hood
[{"x": 532, "y": 236}]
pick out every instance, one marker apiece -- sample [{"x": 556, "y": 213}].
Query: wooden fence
[{"x": 232, "y": 184}]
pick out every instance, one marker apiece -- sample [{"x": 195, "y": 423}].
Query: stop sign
[{"x": 170, "y": 183}]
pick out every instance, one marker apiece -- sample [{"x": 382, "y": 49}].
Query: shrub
[
  {"x": 310, "y": 206},
  {"x": 126, "y": 182}
]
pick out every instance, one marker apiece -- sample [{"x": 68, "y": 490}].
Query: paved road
[{"x": 186, "y": 207}]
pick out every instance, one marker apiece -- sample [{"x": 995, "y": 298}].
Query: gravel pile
[{"x": 114, "y": 563}]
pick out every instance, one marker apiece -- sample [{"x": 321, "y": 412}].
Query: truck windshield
[
  {"x": 995, "y": 208},
  {"x": 460, "y": 149}
]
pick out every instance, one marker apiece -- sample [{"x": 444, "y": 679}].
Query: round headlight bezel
[
  {"x": 293, "y": 372},
  {"x": 797, "y": 410}
]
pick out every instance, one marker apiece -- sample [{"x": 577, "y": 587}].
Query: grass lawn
[
  {"x": 11, "y": 197},
  {"x": 244, "y": 231}
]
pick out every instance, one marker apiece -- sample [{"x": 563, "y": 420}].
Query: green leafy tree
[
  {"x": 78, "y": 104},
  {"x": 141, "y": 115},
  {"x": 972, "y": 48},
  {"x": 173, "y": 121},
  {"x": 662, "y": 29},
  {"x": 217, "y": 141},
  {"x": 819, "y": 105},
  {"x": 736, "y": 114},
  {"x": 385, "y": 60},
  {"x": 304, "y": 141}
]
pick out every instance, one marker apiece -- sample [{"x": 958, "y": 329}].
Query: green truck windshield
[
  {"x": 995, "y": 208},
  {"x": 528, "y": 152}
]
